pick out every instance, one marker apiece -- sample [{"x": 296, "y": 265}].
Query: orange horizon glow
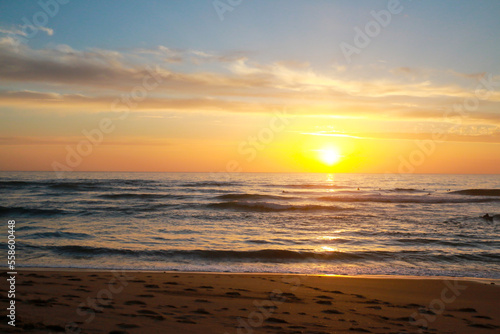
[{"x": 185, "y": 94}]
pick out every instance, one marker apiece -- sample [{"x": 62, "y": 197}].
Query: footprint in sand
[
  {"x": 170, "y": 306},
  {"x": 276, "y": 328},
  {"x": 482, "y": 317},
  {"x": 187, "y": 321},
  {"x": 467, "y": 309},
  {"x": 332, "y": 311},
  {"x": 485, "y": 326},
  {"x": 289, "y": 297},
  {"x": 296, "y": 327},
  {"x": 202, "y": 301},
  {"x": 324, "y": 297},
  {"x": 361, "y": 330},
  {"x": 134, "y": 302},
  {"x": 233, "y": 294},
  {"x": 127, "y": 326},
  {"x": 276, "y": 320},
  {"x": 426, "y": 311},
  {"x": 358, "y": 296},
  {"x": 372, "y": 301},
  {"x": 89, "y": 310},
  {"x": 324, "y": 302},
  {"x": 149, "y": 312}
]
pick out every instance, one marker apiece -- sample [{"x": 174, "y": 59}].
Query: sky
[{"x": 250, "y": 86}]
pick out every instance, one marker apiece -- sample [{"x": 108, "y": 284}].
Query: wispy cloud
[
  {"x": 330, "y": 134},
  {"x": 71, "y": 140},
  {"x": 19, "y": 31}
]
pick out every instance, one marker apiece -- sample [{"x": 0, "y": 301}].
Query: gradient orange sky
[{"x": 264, "y": 87}]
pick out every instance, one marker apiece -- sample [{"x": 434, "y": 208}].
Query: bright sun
[{"x": 330, "y": 156}]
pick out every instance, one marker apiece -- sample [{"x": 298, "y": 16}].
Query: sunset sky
[{"x": 261, "y": 86}]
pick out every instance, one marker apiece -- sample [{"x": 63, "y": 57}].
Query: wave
[
  {"x": 29, "y": 227},
  {"x": 139, "y": 196},
  {"x": 407, "y": 190},
  {"x": 202, "y": 184},
  {"x": 21, "y": 211},
  {"x": 404, "y": 199},
  {"x": 75, "y": 186},
  {"x": 269, "y": 255},
  {"x": 262, "y": 255},
  {"x": 477, "y": 192},
  {"x": 270, "y": 207},
  {"x": 311, "y": 186},
  {"x": 78, "y": 184},
  {"x": 131, "y": 182},
  {"x": 13, "y": 183},
  {"x": 251, "y": 196},
  {"x": 427, "y": 241},
  {"x": 59, "y": 234}
]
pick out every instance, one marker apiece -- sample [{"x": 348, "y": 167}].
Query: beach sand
[{"x": 158, "y": 302}]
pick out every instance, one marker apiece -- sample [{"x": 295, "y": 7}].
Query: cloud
[
  {"x": 12, "y": 31},
  {"x": 448, "y": 136},
  {"x": 21, "y": 30},
  {"x": 164, "y": 53},
  {"x": 329, "y": 134},
  {"x": 72, "y": 140},
  {"x": 75, "y": 102},
  {"x": 230, "y": 83},
  {"x": 48, "y": 31}
]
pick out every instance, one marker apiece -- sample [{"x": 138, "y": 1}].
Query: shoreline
[
  {"x": 484, "y": 280},
  {"x": 104, "y": 301}
]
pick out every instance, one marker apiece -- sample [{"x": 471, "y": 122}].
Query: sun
[{"x": 330, "y": 156}]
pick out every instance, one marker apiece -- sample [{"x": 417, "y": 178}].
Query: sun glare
[{"x": 330, "y": 156}]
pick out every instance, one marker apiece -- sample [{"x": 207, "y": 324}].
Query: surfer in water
[
  {"x": 488, "y": 217},
  {"x": 491, "y": 218}
]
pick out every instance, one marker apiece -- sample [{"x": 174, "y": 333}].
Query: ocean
[{"x": 342, "y": 224}]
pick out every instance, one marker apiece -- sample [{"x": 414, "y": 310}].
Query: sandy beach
[{"x": 159, "y": 302}]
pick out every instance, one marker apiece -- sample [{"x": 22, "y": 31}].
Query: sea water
[{"x": 345, "y": 224}]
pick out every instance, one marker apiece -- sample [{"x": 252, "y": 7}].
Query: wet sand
[{"x": 157, "y": 302}]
